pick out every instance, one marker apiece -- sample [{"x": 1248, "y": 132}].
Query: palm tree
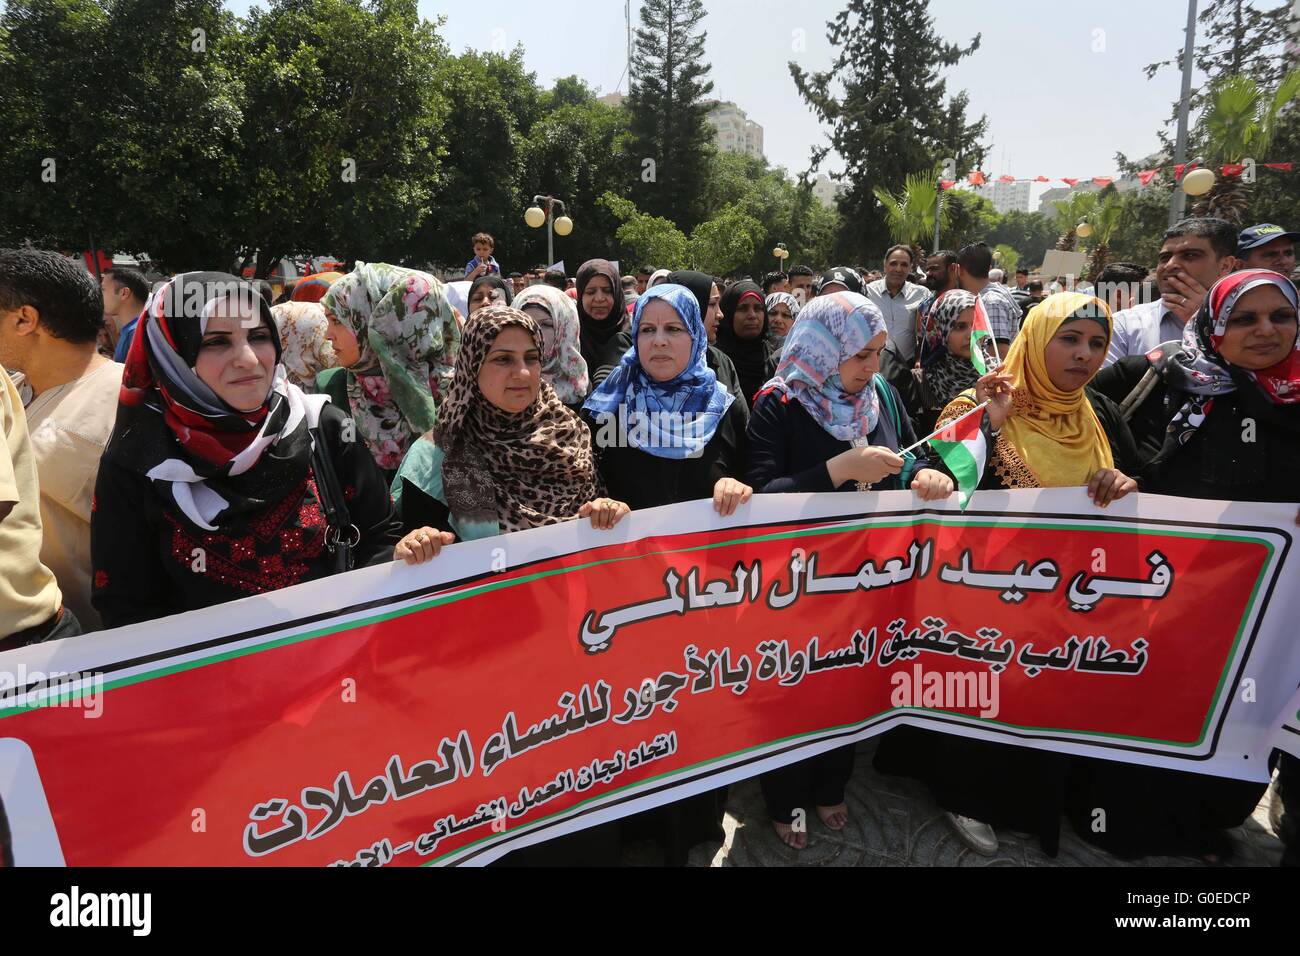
[
  {"x": 1240, "y": 121},
  {"x": 1104, "y": 219},
  {"x": 1069, "y": 213},
  {"x": 910, "y": 214}
]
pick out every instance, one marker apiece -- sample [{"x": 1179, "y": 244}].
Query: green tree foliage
[
  {"x": 1240, "y": 121},
  {"x": 645, "y": 238},
  {"x": 341, "y": 127},
  {"x": 971, "y": 218},
  {"x": 910, "y": 214},
  {"x": 1275, "y": 197},
  {"x": 1104, "y": 220},
  {"x": 726, "y": 243},
  {"x": 1143, "y": 219},
  {"x": 494, "y": 103},
  {"x": 118, "y": 122},
  {"x": 1234, "y": 36},
  {"x": 788, "y": 211},
  {"x": 666, "y": 102},
  {"x": 886, "y": 103},
  {"x": 578, "y": 152},
  {"x": 1030, "y": 234},
  {"x": 343, "y": 134},
  {"x": 1007, "y": 258}
]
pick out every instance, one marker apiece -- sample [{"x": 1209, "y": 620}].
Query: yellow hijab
[{"x": 1055, "y": 433}]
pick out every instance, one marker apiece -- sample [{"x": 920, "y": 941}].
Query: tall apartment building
[
  {"x": 733, "y": 130},
  {"x": 1007, "y": 196},
  {"x": 827, "y": 190}
]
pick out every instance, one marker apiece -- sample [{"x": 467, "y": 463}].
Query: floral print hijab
[{"x": 408, "y": 337}]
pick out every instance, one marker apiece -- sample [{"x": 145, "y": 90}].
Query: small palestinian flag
[
  {"x": 963, "y": 446},
  {"x": 982, "y": 347}
]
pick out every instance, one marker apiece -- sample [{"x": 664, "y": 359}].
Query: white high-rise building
[
  {"x": 733, "y": 131},
  {"x": 1007, "y": 196},
  {"x": 827, "y": 190}
]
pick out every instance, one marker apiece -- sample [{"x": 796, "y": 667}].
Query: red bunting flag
[
  {"x": 1102, "y": 181},
  {"x": 1146, "y": 175},
  {"x": 1181, "y": 168},
  {"x": 1041, "y": 179},
  {"x": 1006, "y": 179},
  {"x": 1233, "y": 169},
  {"x": 1284, "y": 167},
  {"x": 947, "y": 183},
  {"x": 1070, "y": 182},
  {"x": 976, "y": 178}
]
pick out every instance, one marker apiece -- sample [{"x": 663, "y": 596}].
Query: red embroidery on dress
[
  {"x": 276, "y": 550},
  {"x": 101, "y": 580}
]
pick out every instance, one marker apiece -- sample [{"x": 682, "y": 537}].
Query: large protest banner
[{"x": 518, "y": 688}]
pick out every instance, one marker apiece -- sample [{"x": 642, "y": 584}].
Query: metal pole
[
  {"x": 938, "y": 208},
  {"x": 1178, "y": 201},
  {"x": 550, "y": 232}
]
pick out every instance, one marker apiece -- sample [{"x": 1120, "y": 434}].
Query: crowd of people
[{"x": 175, "y": 446}]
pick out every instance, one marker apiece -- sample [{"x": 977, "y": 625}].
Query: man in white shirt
[
  {"x": 1196, "y": 253},
  {"x": 51, "y": 312},
  {"x": 898, "y": 300}
]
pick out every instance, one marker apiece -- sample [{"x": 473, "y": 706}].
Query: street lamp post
[
  {"x": 536, "y": 215},
  {"x": 1177, "y": 202},
  {"x": 781, "y": 253}
]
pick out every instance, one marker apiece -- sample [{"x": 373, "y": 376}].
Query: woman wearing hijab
[
  {"x": 946, "y": 369},
  {"x": 212, "y": 455},
  {"x": 305, "y": 351},
  {"x": 1239, "y": 362},
  {"x": 707, "y": 296},
  {"x": 782, "y": 310},
  {"x": 601, "y": 312},
  {"x": 395, "y": 337},
  {"x": 557, "y": 318},
  {"x": 828, "y": 422},
  {"x": 658, "y": 276},
  {"x": 668, "y": 432},
  {"x": 507, "y": 454},
  {"x": 1049, "y": 432},
  {"x": 1154, "y": 387},
  {"x": 489, "y": 289},
  {"x": 666, "y": 429},
  {"x": 742, "y": 335},
  {"x": 312, "y": 288}
]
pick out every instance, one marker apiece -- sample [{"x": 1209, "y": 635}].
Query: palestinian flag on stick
[
  {"x": 964, "y": 448},
  {"x": 981, "y": 338}
]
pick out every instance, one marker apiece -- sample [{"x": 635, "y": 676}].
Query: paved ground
[{"x": 896, "y": 823}]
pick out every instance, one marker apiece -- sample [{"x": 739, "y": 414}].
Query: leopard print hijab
[{"x": 526, "y": 470}]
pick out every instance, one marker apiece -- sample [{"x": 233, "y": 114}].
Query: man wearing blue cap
[{"x": 1267, "y": 246}]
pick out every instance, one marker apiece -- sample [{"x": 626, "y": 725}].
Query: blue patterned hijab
[
  {"x": 831, "y": 330},
  {"x": 673, "y": 419}
]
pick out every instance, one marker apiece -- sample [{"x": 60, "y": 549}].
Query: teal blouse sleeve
[{"x": 422, "y": 467}]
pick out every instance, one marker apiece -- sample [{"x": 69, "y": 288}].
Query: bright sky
[{"x": 1063, "y": 90}]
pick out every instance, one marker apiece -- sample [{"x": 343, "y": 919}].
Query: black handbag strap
[{"x": 341, "y": 535}]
